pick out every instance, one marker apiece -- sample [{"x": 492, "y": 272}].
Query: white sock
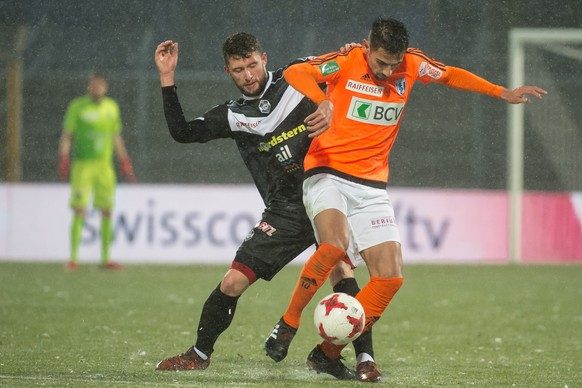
[
  {"x": 202, "y": 355},
  {"x": 363, "y": 357}
]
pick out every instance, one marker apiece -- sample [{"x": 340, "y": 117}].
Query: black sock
[
  {"x": 216, "y": 316},
  {"x": 362, "y": 344}
]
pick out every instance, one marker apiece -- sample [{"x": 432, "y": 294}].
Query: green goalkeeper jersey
[{"x": 93, "y": 126}]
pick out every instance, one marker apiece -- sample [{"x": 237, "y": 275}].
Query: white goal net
[{"x": 545, "y": 138}]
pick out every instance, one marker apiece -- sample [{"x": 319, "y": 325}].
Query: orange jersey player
[
  {"x": 346, "y": 168},
  {"x": 368, "y": 107}
]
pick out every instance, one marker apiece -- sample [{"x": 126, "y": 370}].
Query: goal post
[{"x": 519, "y": 39}]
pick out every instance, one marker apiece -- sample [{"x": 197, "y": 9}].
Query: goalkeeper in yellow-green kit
[{"x": 91, "y": 134}]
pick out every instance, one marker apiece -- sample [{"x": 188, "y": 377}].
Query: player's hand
[
  {"x": 127, "y": 169},
  {"x": 320, "y": 120},
  {"x": 64, "y": 166},
  {"x": 348, "y": 46},
  {"x": 166, "y": 59},
  {"x": 519, "y": 95}
]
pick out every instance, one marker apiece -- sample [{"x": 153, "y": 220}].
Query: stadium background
[
  {"x": 449, "y": 139},
  {"x": 461, "y": 325}
]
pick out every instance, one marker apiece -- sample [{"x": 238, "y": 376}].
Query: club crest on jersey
[
  {"x": 264, "y": 106},
  {"x": 250, "y": 235},
  {"x": 401, "y": 86}
]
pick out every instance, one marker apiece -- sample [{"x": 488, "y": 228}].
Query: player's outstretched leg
[
  {"x": 277, "y": 344},
  {"x": 319, "y": 362},
  {"x": 366, "y": 369},
  {"x": 216, "y": 317}
]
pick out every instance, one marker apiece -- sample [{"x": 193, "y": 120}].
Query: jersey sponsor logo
[
  {"x": 287, "y": 160},
  {"x": 401, "y": 86},
  {"x": 329, "y": 68},
  {"x": 266, "y": 228},
  {"x": 284, "y": 154},
  {"x": 248, "y": 124},
  {"x": 264, "y": 106},
  {"x": 360, "y": 87},
  {"x": 375, "y": 112},
  {"x": 427, "y": 69},
  {"x": 284, "y": 136},
  {"x": 383, "y": 222}
]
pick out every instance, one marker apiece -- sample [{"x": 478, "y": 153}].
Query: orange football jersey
[{"x": 367, "y": 112}]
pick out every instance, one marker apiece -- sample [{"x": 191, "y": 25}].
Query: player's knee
[
  {"x": 338, "y": 240},
  {"x": 234, "y": 283},
  {"x": 386, "y": 270},
  {"x": 332, "y": 228},
  {"x": 384, "y": 260},
  {"x": 79, "y": 211}
]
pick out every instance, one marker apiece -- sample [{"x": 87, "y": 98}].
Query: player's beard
[{"x": 262, "y": 84}]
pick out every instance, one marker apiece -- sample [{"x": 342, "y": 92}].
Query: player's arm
[
  {"x": 519, "y": 95},
  {"x": 64, "y": 154},
  {"x": 195, "y": 131},
  {"x": 305, "y": 78},
  {"x": 212, "y": 125},
  {"x": 66, "y": 140},
  {"x": 166, "y": 58},
  {"x": 465, "y": 80},
  {"x": 124, "y": 161}
]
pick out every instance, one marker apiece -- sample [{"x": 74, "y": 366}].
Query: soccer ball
[{"x": 339, "y": 318}]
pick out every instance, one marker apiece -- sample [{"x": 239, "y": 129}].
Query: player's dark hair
[
  {"x": 240, "y": 45},
  {"x": 96, "y": 75},
  {"x": 389, "y": 34}
]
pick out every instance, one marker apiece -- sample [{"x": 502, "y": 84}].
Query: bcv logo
[{"x": 375, "y": 112}]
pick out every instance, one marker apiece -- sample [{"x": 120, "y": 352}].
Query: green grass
[{"x": 449, "y": 326}]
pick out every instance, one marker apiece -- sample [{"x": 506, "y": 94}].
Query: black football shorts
[{"x": 280, "y": 236}]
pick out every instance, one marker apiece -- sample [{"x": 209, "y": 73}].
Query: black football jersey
[{"x": 269, "y": 132}]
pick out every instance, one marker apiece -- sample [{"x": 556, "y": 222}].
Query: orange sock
[
  {"x": 376, "y": 296},
  {"x": 314, "y": 273},
  {"x": 332, "y": 351}
]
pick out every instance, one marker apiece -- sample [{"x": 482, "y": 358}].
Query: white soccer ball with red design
[{"x": 339, "y": 318}]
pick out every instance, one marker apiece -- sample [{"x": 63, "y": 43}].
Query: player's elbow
[
  {"x": 179, "y": 135},
  {"x": 297, "y": 72},
  {"x": 290, "y": 73}
]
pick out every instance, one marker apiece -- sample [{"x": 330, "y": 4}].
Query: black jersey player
[{"x": 267, "y": 125}]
